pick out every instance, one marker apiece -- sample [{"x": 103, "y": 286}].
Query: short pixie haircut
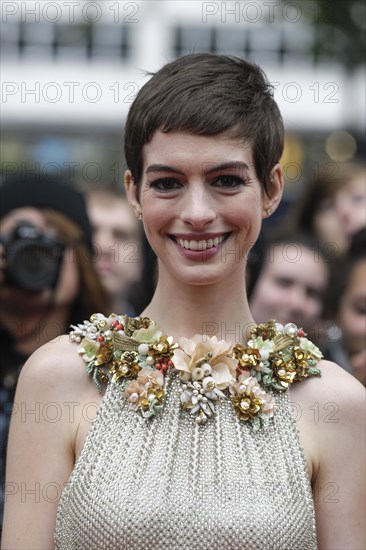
[{"x": 208, "y": 94}]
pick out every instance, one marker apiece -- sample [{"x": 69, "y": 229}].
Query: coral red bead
[{"x": 100, "y": 339}]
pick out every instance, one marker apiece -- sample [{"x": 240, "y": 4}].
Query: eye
[
  {"x": 229, "y": 181},
  {"x": 283, "y": 282},
  {"x": 314, "y": 294},
  {"x": 165, "y": 184}
]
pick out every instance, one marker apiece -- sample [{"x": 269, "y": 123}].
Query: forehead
[
  {"x": 355, "y": 185},
  {"x": 184, "y": 148},
  {"x": 109, "y": 210},
  {"x": 297, "y": 262}
]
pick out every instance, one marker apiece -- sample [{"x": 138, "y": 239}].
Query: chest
[{"x": 168, "y": 481}]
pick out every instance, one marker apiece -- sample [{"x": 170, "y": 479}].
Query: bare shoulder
[
  {"x": 334, "y": 385},
  {"x": 331, "y": 419},
  {"x": 57, "y": 369}
]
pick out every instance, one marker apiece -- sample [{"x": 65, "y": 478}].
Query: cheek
[
  {"x": 327, "y": 223},
  {"x": 314, "y": 308},
  {"x": 268, "y": 294}
]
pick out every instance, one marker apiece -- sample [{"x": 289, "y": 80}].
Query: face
[
  {"x": 290, "y": 287},
  {"x": 202, "y": 205},
  {"x": 352, "y": 310},
  {"x": 338, "y": 218},
  {"x": 21, "y": 301},
  {"x": 116, "y": 238}
]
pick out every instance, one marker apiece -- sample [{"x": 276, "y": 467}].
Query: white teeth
[{"x": 200, "y": 245}]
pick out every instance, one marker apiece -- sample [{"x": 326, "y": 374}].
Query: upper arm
[
  {"x": 41, "y": 445},
  {"x": 339, "y": 486}
]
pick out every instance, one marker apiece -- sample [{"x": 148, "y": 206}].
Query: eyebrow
[{"x": 216, "y": 168}]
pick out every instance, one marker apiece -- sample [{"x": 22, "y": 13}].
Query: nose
[
  {"x": 197, "y": 207},
  {"x": 344, "y": 209},
  {"x": 297, "y": 301},
  {"x": 104, "y": 241}
]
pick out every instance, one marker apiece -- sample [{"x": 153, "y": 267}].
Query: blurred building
[{"x": 71, "y": 69}]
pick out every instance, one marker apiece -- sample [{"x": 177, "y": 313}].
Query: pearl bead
[
  {"x": 150, "y": 360},
  {"x": 197, "y": 374},
  {"x": 207, "y": 369},
  {"x": 291, "y": 330},
  {"x": 143, "y": 349},
  {"x": 279, "y": 327},
  {"x": 264, "y": 354}
]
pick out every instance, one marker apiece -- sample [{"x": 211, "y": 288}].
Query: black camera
[{"x": 32, "y": 258}]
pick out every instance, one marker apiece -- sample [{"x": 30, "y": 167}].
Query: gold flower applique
[{"x": 135, "y": 354}]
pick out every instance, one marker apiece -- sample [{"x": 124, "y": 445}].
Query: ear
[
  {"x": 131, "y": 193},
  {"x": 275, "y": 190}
]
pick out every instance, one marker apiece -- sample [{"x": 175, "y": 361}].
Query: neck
[{"x": 220, "y": 309}]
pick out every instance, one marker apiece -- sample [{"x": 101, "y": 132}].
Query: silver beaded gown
[{"x": 169, "y": 483}]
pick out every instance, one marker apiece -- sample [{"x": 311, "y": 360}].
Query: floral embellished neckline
[{"x": 134, "y": 353}]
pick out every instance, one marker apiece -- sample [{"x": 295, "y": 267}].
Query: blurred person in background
[
  {"x": 347, "y": 305},
  {"x": 117, "y": 245},
  {"x": 333, "y": 207},
  {"x": 47, "y": 277},
  {"x": 288, "y": 277}
]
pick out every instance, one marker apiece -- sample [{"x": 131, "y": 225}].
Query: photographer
[{"x": 47, "y": 276}]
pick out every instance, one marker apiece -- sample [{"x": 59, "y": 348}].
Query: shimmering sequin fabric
[{"x": 167, "y": 483}]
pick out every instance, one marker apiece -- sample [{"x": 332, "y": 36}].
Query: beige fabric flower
[
  {"x": 194, "y": 352},
  {"x": 148, "y": 377},
  {"x": 133, "y": 393}
]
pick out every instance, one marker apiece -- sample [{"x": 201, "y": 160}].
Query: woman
[
  {"x": 333, "y": 206},
  {"x": 45, "y": 289},
  {"x": 210, "y": 456},
  {"x": 346, "y": 303}
]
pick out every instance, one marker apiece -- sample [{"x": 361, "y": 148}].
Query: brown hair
[
  {"x": 92, "y": 297},
  {"x": 208, "y": 94},
  {"x": 325, "y": 185}
]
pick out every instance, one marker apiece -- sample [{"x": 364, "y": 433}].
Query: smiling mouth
[{"x": 202, "y": 244}]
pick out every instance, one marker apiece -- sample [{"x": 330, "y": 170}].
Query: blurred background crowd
[{"x": 69, "y": 244}]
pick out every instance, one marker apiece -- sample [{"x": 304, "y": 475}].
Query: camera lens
[{"x": 33, "y": 259}]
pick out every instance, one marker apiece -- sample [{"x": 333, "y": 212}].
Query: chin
[{"x": 201, "y": 276}]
